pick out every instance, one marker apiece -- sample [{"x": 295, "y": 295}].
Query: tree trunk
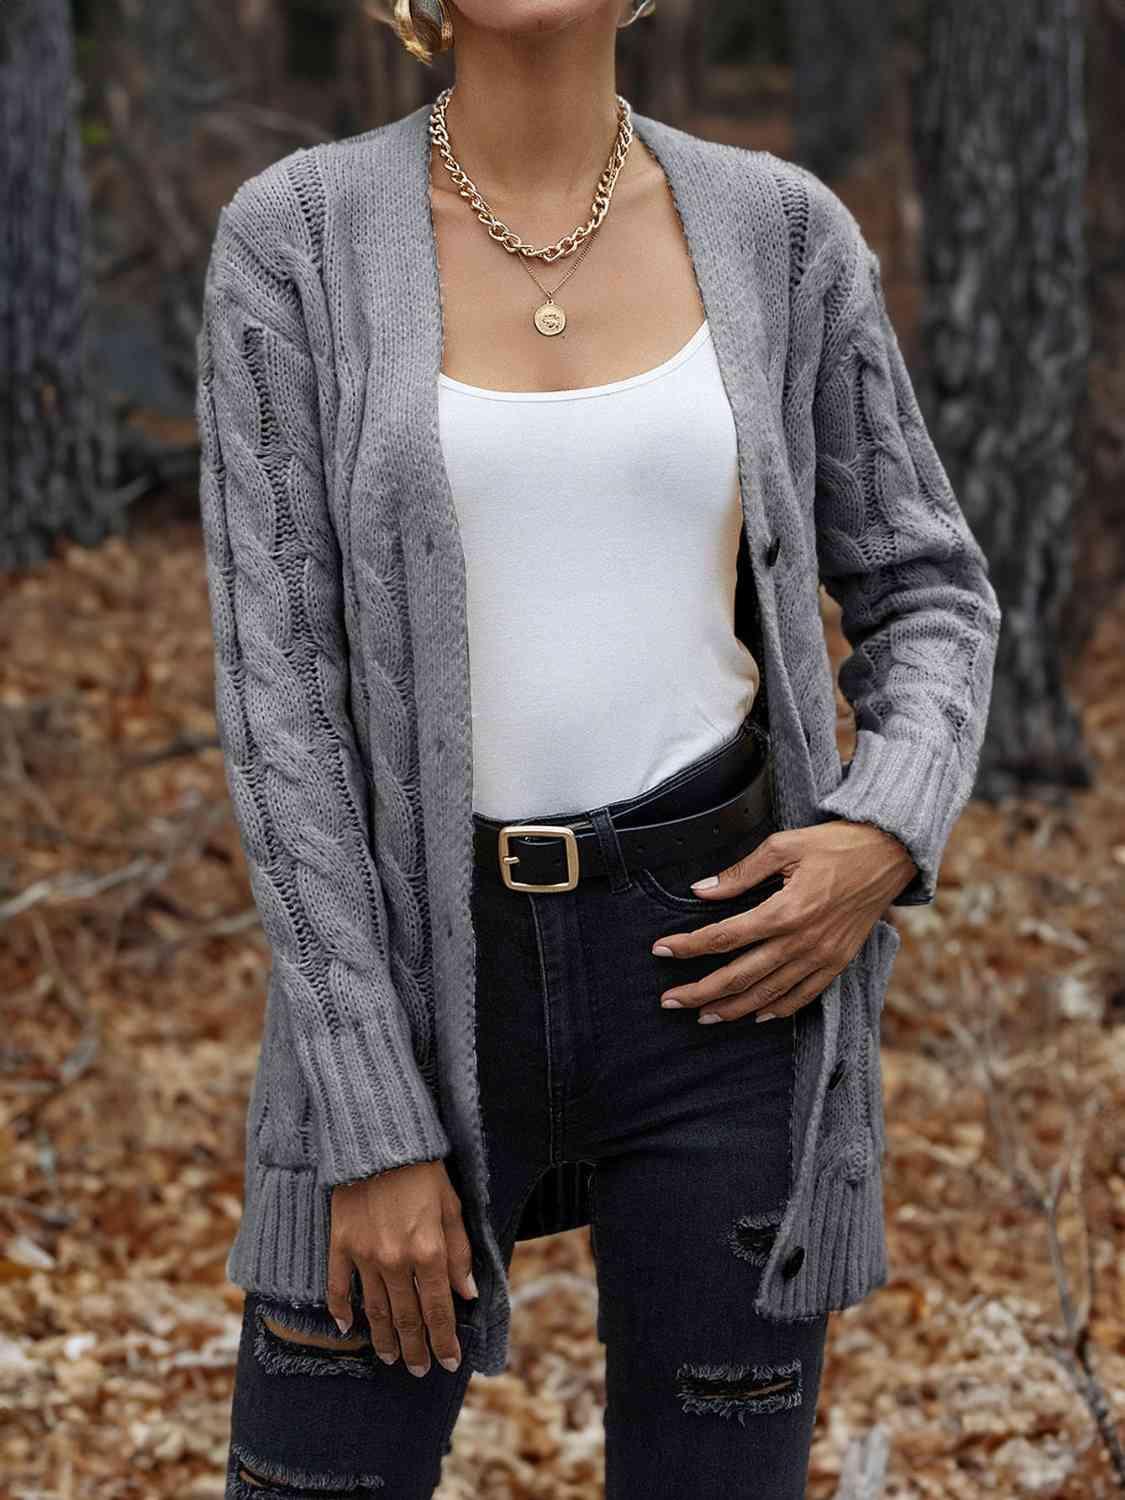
[
  {"x": 1001, "y": 154},
  {"x": 840, "y": 50},
  {"x": 657, "y": 61},
  {"x": 56, "y": 463},
  {"x": 1100, "y": 530}
]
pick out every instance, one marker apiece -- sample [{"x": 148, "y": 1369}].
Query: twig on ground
[{"x": 1073, "y": 1348}]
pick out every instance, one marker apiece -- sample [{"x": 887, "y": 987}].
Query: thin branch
[
  {"x": 82, "y": 1055},
  {"x": 187, "y": 744},
  {"x": 1074, "y": 1347},
  {"x": 57, "y": 890},
  {"x": 157, "y": 955}
]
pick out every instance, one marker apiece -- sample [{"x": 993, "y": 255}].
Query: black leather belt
[{"x": 553, "y": 856}]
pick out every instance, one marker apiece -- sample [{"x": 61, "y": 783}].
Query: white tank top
[{"x": 600, "y": 529}]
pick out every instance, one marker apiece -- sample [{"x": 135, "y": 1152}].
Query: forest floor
[{"x": 133, "y": 972}]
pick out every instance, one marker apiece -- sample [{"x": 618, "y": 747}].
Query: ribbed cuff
[
  {"x": 908, "y": 789},
  {"x": 373, "y": 1109}
]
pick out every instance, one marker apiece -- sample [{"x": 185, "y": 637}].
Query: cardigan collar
[{"x": 719, "y": 233}]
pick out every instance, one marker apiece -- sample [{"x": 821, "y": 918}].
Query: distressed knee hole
[
  {"x": 288, "y": 1351},
  {"x": 317, "y": 1340},
  {"x": 739, "y": 1390},
  {"x": 256, "y": 1473},
  {"x": 751, "y": 1236}
]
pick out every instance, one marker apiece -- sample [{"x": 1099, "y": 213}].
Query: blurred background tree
[
  {"x": 56, "y": 438},
  {"x": 839, "y": 55},
  {"x": 1100, "y": 522},
  {"x": 1000, "y": 141}
]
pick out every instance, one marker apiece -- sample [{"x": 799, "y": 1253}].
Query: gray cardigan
[{"x": 338, "y": 599}]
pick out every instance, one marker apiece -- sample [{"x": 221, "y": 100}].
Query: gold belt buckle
[{"x": 507, "y": 859}]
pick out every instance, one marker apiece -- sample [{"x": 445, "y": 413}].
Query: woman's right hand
[{"x": 402, "y": 1231}]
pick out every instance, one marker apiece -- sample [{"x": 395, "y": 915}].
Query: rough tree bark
[
  {"x": 1100, "y": 530},
  {"x": 840, "y": 50},
  {"x": 162, "y": 82},
  {"x": 1000, "y": 141},
  {"x": 56, "y": 441}
]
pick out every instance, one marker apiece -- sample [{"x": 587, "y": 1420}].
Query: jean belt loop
[{"x": 619, "y": 877}]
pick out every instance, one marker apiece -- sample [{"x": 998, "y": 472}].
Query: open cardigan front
[{"x": 337, "y": 586}]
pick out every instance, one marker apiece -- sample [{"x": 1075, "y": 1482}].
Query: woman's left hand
[{"x": 839, "y": 878}]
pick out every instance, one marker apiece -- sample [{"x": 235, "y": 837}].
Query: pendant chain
[{"x": 549, "y": 318}]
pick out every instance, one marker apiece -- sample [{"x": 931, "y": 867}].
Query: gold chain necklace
[{"x": 549, "y": 317}]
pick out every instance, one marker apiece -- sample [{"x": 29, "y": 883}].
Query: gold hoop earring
[
  {"x": 641, "y": 8},
  {"x": 423, "y": 39}
]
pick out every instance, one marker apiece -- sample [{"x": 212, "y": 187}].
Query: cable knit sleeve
[
  {"x": 281, "y": 697},
  {"x": 918, "y": 610}
]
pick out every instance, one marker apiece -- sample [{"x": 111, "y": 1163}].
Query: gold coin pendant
[{"x": 550, "y": 319}]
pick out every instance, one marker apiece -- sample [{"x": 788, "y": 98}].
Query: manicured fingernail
[
  {"x": 662, "y": 950},
  {"x": 474, "y": 1290},
  {"x": 702, "y": 885},
  {"x": 417, "y": 1369},
  {"x": 450, "y": 1363},
  {"x": 388, "y": 1358},
  {"x": 671, "y": 1005},
  {"x": 342, "y": 1326},
  {"x": 766, "y": 1015},
  {"x": 708, "y": 1018}
]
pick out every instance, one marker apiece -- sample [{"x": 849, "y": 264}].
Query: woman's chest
[
  {"x": 629, "y": 296},
  {"x": 644, "y": 469}
]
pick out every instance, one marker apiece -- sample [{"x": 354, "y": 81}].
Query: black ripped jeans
[{"x": 689, "y": 1128}]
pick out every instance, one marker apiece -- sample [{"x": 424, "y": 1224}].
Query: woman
[{"x": 499, "y": 913}]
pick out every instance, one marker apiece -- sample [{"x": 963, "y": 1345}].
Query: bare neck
[{"x": 533, "y": 118}]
